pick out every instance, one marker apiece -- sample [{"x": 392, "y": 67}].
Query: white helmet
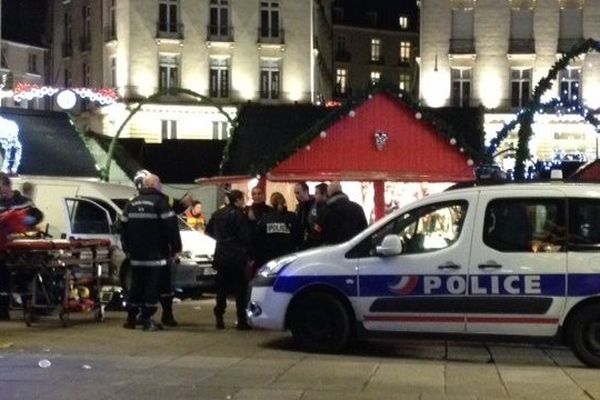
[{"x": 138, "y": 179}]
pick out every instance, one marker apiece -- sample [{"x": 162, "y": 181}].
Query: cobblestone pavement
[{"x": 194, "y": 361}]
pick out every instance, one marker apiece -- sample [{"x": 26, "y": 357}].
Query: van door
[
  {"x": 86, "y": 219},
  {"x": 423, "y": 288},
  {"x": 518, "y": 263}
]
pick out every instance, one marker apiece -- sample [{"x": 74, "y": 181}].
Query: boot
[
  {"x": 243, "y": 326},
  {"x": 167, "y": 318},
  {"x": 220, "y": 323},
  {"x": 130, "y": 322},
  {"x": 151, "y": 326}
]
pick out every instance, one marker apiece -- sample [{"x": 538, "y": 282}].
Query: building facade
[
  {"x": 24, "y": 63},
  {"x": 494, "y": 52},
  {"x": 227, "y": 51},
  {"x": 375, "y": 42}
]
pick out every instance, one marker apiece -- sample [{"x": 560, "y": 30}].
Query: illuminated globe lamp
[{"x": 66, "y": 99}]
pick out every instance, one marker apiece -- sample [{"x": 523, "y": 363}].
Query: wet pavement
[{"x": 90, "y": 360}]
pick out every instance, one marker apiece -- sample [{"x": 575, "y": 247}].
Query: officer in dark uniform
[
  {"x": 166, "y": 293},
  {"x": 150, "y": 237},
  {"x": 230, "y": 228},
  {"x": 11, "y": 200}
]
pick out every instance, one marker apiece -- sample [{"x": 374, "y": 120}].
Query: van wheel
[
  {"x": 584, "y": 335},
  {"x": 320, "y": 322}
]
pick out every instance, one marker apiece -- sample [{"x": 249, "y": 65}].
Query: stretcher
[{"x": 58, "y": 274}]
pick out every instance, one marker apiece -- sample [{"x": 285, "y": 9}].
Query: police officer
[
  {"x": 11, "y": 200},
  {"x": 230, "y": 228},
  {"x": 150, "y": 237}
]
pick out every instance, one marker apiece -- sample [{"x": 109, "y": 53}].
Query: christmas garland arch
[{"x": 525, "y": 117}]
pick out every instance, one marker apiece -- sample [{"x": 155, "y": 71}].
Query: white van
[
  {"x": 499, "y": 261},
  {"x": 87, "y": 208}
]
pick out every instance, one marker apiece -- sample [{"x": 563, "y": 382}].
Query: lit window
[
  {"x": 461, "y": 87},
  {"x": 404, "y": 52},
  {"x": 403, "y": 22},
  {"x": 375, "y": 77},
  {"x": 520, "y": 82},
  {"x": 270, "y": 78},
  {"x": 404, "y": 82},
  {"x": 376, "y": 50},
  {"x": 168, "y": 71},
  {"x": 341, "y": 81},
  {"x": 570, "y": 89},
  {"x": 219, "y": 77},
  {"x": 168, "y": 129}
]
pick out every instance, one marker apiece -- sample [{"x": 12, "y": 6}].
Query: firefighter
[
  {"x": 150, "y": 238},
  {"x": 12, "y": 200}
]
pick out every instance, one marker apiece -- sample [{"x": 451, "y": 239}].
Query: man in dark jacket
[
  {"x": 11, "y": 200},
  {"x": 150, "y": 237},
  {"x": 340, "y": 219},
  {"x": 230, "y": 228},
  {"x": 305, "y": 203}
]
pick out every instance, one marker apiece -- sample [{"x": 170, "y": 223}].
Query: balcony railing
[
  {"x": 343, "y": 56},
  {"x": 269, "y": 35},
  {"x": 169, "y": 31},
  {"x": 565, "y": 45},
  {"x": 219, "y": 33},
  {"x": 376, "y": 60},
  {"x": 110, "y": 33},
  {"x": 521, "y": 46},
  {"x": 404, "y": 62},
  {"x": 67, "y": 49},
  {"x": 462, "y": 46},
  {"x": 85, "y": 43}
]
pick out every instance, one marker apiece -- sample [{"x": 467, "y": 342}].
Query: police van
[{"x": 514, "y": 260}]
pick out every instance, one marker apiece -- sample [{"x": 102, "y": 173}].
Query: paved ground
[{"x": 194, "y": 361}]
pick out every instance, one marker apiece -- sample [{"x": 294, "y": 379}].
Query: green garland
[{"x": 525, "y": 117}]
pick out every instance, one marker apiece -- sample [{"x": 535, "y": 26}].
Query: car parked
[{"x": 502, "y": 261}]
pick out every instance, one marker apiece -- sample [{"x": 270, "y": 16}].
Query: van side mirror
[{"x": 390, "y": 246}]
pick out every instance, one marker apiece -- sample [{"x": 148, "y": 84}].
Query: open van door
[{"x": 86, "y": 219}]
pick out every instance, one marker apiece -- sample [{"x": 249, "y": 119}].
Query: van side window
[
  {"x": 525, "y": 225},
  {"x": 86, "y": 217},
  {"x": 422, "y": 230},
  {"x": 584, "y": 224}
]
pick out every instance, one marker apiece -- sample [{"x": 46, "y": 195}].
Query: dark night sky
[{"x": 23, "y": 20}]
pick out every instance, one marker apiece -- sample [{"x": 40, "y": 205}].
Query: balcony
[
  {"x": 110, "y": 34},
  {"x": 565, "y": 45},
  {"x": 271, "y": 36},
  {"x": 376, "y": 60},
  {"x": 521, "y": 46},
  {"x": 85, "y": 44},
  {"x": 462, "y": 46},
  {"x": 404, "y": 62},
  {"x": 169, "y": 31},
  {"x": 67, "y": 49},
  {"x": 343, "y": 55},
  {"x": 219, "y": 33}
]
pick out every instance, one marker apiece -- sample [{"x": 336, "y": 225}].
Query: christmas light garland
[{"x": 29, "y": 91}]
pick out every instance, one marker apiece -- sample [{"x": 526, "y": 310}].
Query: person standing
[
  {"x": 305, "y": 203},
  {"x": 12, "y": 200},
  {"x": 150, "y": 237},
  {"x": 230, "y": 228},
  {"x": 340, "y": 219},
  {"x": 315, "y": 235},
  {"x": 277, "y": 232},
  {"x": 259, "y": 207},
  {"x": 195, "y": 217}
]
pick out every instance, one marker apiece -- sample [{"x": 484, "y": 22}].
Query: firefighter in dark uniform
[
  {"x": 11, "y": 200},
  {"x": 230, "y": 228},
  {"x": 166, "y": 293},
  {"x": 150, "y": 237}
]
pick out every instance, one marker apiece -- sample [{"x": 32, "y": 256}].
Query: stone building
[
  {"x": 494, "y": 52},
  {"x": 374, "y": 42},
  {"x": 229, "y": 51}
]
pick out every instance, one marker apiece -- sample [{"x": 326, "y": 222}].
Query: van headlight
[{"x": 274, "y": 267}]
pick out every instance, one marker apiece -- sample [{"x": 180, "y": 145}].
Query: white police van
[{"x": 518, "y": 260}]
